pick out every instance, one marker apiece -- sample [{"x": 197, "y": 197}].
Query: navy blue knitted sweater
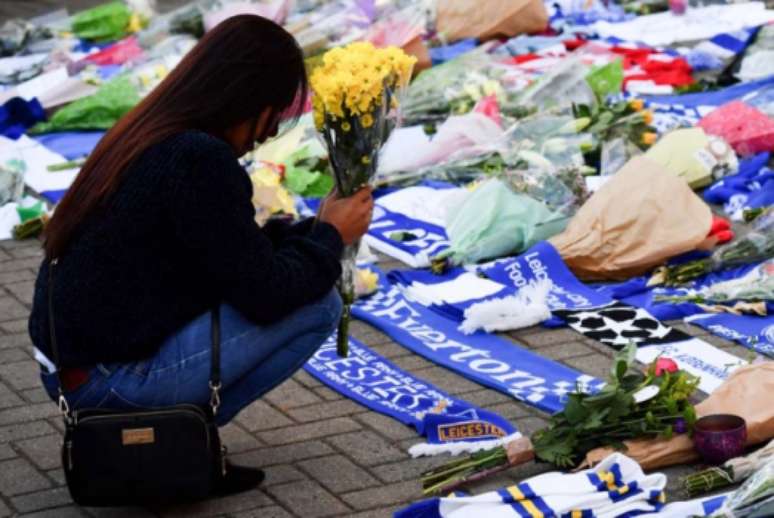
[{"x": 177, "y": 237}]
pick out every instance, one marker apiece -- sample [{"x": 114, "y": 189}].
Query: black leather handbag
[{"x": 144, "y": 456}]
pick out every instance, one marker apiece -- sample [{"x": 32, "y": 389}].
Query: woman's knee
[{"x": 332, "y": 305}]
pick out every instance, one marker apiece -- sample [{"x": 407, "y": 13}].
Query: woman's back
[{"x": 129, "y": 278}]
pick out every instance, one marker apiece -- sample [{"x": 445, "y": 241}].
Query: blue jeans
[{"x": 254, "y": 360}]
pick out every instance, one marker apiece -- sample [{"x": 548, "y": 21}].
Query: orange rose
[{"x": 649, "y": 138}]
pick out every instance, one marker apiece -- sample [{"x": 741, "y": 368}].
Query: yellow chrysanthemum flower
[{"x": 352, "y": 79}]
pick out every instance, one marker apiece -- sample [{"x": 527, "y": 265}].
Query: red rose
[{"x": 666, "y": 365}]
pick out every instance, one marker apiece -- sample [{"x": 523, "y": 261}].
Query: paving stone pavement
[{"x": 323, "y": 455}]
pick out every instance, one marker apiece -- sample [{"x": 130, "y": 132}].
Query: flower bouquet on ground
[
  {"x": 757, "y": 245},
  {"x": 754, "y": 498},
  {"x": 355, "y": 109},
  {"x": 730, "y": 473},
  {"x": 623, "y": 124},
  {"x": 632, "y": 404},
  {"x": 454, "y": 88},
  {"x": 747, "y": 294}
]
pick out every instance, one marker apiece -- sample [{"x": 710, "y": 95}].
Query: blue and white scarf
[
  {"x": 755, "y": 333},
  {"x": 543, "y": 262},
  {"x": 487, "y": 359},
  {"x": 408, "y": 224},
  {"x": 675, "y": 111},
  {"x": 458, "y": 289},
  {"x": 450, "y": 424},
  {"x": 752, "y": 187},
  {"x": 616, "y": 487}
]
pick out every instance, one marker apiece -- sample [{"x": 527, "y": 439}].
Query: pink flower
[{"x": 665, "y": 365}]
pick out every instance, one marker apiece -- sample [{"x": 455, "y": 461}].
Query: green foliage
[
  {"x": 606, "y": 80},
  {"x": 106, "y": 22},
  {"x": 612, "y": 415},
  {"x": 98, "y": 111},
  {"x": 307, "y": 175}
]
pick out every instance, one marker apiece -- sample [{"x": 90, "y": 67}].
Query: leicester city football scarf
[
  {"x": 540, "y": 262},
  {"x": 458, "y": 289},
  {"x": 616, "y": 487},
  {"x": 756, "y": 333},
  {"x": 487, "y": 359},
  {"x": 449, "y": 424},
  {"x": 408, "y": 224}
]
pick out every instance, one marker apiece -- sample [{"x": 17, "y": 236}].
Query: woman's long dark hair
[{"x": 243, "y": 66}]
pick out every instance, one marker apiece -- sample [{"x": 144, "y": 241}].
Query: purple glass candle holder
[{"x": 719, "y": 437}]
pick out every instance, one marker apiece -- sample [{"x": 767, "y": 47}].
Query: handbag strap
[{"x": 214, "y": 383}]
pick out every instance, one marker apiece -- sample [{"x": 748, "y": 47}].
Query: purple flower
[{"x": 680, "y": 425}]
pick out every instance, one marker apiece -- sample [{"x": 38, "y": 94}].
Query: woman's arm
[{"x": 277, "y": 229}]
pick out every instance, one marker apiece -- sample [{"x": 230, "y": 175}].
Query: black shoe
[{"x": 239, "y": 479}]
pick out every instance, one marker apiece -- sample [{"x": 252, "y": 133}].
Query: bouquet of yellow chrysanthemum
[{"x": 355, "y": 110}]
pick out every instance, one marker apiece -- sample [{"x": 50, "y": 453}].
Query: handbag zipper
[
  {"x": 70, "y": 455},
  {"x": 196, "y": 413}
]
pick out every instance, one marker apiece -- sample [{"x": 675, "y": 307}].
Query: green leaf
[
  {"x": 320, "y": 187},
  {"x": 689, "y": 414},
  {"x": 574, "y": 411},
  {"x": 606, "y": 80},
  {"x": 632, "y": 380}
]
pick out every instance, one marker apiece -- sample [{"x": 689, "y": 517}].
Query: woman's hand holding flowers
[{"x": 350, "y": 216}]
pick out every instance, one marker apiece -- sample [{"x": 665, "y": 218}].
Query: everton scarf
[
  {"x": 616, "y": 487},
  {"x": 449, "y": 294},
  {"x": 373, "y": 381},
  {"x": 492, "y": 361}
]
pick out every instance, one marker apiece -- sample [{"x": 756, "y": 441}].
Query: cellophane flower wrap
[{"x": 356, "y": 91}]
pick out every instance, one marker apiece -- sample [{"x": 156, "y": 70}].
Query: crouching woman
[{"x": 158, "y": 228}]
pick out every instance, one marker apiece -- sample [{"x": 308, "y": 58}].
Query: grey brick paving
[
  {"x": 237, "y": 439},
  {"x": 273, "y": 511},
  {"x": 18, "y": 476},
  {"x": 59, "y": 512},
  {"x": 319, "y": 411},
  {"x": 281, "y": 474},
  {"x": 14, "y": 326},
  {"x": 383, "y": 495},
  {"x": 291, "y": 394},
  {"x": 303, "y": 432},
  {"x": 338, "y": 474},
  {"x": 308, "y": 498},
  {"x": 284, "y": 454},
  {"x": 41, "y": 500},
  {"x": 21, "y": 375},
  {"x": 42, "y": 451},
  {"x": 262, "y": 416},
  {"x": 323, "y": 455},
  {"x": 368, "y": 448},
  {"x": 219, "y": 506}
]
